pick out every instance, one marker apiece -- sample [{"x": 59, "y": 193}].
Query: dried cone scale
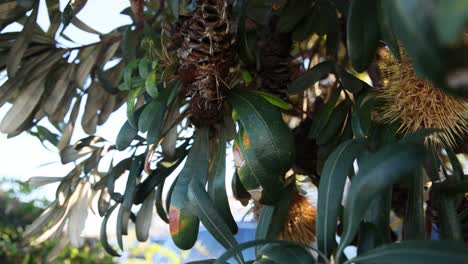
[
  {"x": 417, "y": 104},
  {"x": 205, "y": 56}
]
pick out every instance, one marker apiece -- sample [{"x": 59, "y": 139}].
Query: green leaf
[
  {"x": 143, "y": 68},
  {"x": 265, "y": 143},
  {"x": 414, "y": 252},
  {"x": 310, "y": 77},
  {"x": 151, "y": 119},
  {"x": 132, "y": 96},
  {"x": 287, "y": 254},
  {"x": 104, "y": 241},
  {"x": 183, "y": 223},
  {"x": 292, "y": 14},
  {"x": 241, "y": 247},
  {"x": 330, "y": 192},
  {"x": 363, "y": 33},
  {"x": 413, "y": 224},
  {"x": 386, "y": 30},
  {"x": 158, "y": 203},
  {"x": 150, "y": 85},
  {"x": 21, "y": 43},
  {"x": 411, "y": 22},
  {"x": 278, "y": 102},
  {"x": 351, "y": 82},
  {"x": 451, "y": 21},
  {"x": 263, "y": 223},
  {"x": 321, "y": 120},
  {"x": 144, "y": 217},
  {"x": 204, "y": 208},
  {"x": 217, "y": 183},
  {"x": 136, "y": 168},
  {"x": 335, "y": 123},
  {"x": 160, "y": 174},
  {"x": 374, "y": 176},
  {"x": 126, "y": 135}
]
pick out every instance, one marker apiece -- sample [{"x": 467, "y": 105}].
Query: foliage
[
  {"x": 16, "y": 214},
  {"x": 296, "y": 84}
]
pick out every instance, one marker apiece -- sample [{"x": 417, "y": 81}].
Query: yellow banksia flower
[{"x": 417, "y": 104}]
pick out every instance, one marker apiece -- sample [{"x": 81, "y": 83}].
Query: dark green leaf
[
  {"x": 330, "y": 192},
  {"x": 310, "y": 77},
  {"x": 413, "y": 223},
  {"x": 363, "y": 33},
  {"x": 375, "y": 175},
  {"x": 386, "y": 30},
  {"x": 322, "y": 117},
  {"x": 292, "y": 14},
  {"x": 105, "y": 243},
  {"x": 335, "y": 123},
  {"x": 451, "y": 21},
  {"x": 204, "y": 208},
  {"x": 414, "y": 252},
  {"x": 217, "y": 183},
  {"x": 287, "y": 254},
  {"x": 126, "y": 135},
  {"x": 183, "y": 223}
]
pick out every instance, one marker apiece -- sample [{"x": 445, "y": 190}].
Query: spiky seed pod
[
  {"x": 417, "y": 104},
  {"x": 299, "y": 225},
  {"x": 205, "y": 56}
]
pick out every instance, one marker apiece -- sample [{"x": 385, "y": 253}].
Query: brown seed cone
[
  {"x": 205, "y": 56},
  {"x": 299, "y": 225}
]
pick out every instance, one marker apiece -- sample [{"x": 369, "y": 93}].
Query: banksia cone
[
  {"x": 205, "y": 56},
  {"x": 417, "y": 104},
  {"x": 299, "y": 225}
]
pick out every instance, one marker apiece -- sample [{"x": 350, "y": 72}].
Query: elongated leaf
[
  {"x": 263, "y": 223},
  {"x": 204, "y": 208},
  {"x": 126, "y": 135},
  {"x": 144, "y": 218},
  {"x": 267, "y": 141},
  {"x": 78, "y": 215},
  {"x": 363, "y": 33},
  {"x": 21, "y": 43},
  {"x": 386, "y": 30},
  {"x": 71, "y": 9},
  {"x": 159, "y": 175},
  {"x": 124, "y": 212},
  {"x": 183, "y": 224},
  {"x": 330, "y": 192},
  {"x": 451, "y": 21},
  {"x": 40, "y": 181},
  {"x": 376, "y": 175},
  {"x": 414, "y": 252},
  {"x": 159, "y": 203},
  {"x": 413, "y": 223},
  {"x": 217, "y": 183},
  {"x": 278, "y": 102},
  {"x": 241, "y": 247},
  {"x": 335, "y": 123},
  {"x": 287, "y": 254},
  {"x": 105, "y": 243},
  {"x": 23, "y": 108},
  {"x": 322, "y": 118},
  {"x": 310, "y": 77}
]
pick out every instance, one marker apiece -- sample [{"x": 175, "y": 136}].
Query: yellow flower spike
[{"x": 417, "y": 104}]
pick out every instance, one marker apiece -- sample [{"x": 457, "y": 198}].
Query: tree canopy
[{"x": 371, "y": 92}]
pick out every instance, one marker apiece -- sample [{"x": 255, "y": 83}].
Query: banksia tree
[{"x": 296, "y": 88}]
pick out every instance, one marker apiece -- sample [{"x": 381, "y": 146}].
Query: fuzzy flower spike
[{"x": 417, "y": 104}]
